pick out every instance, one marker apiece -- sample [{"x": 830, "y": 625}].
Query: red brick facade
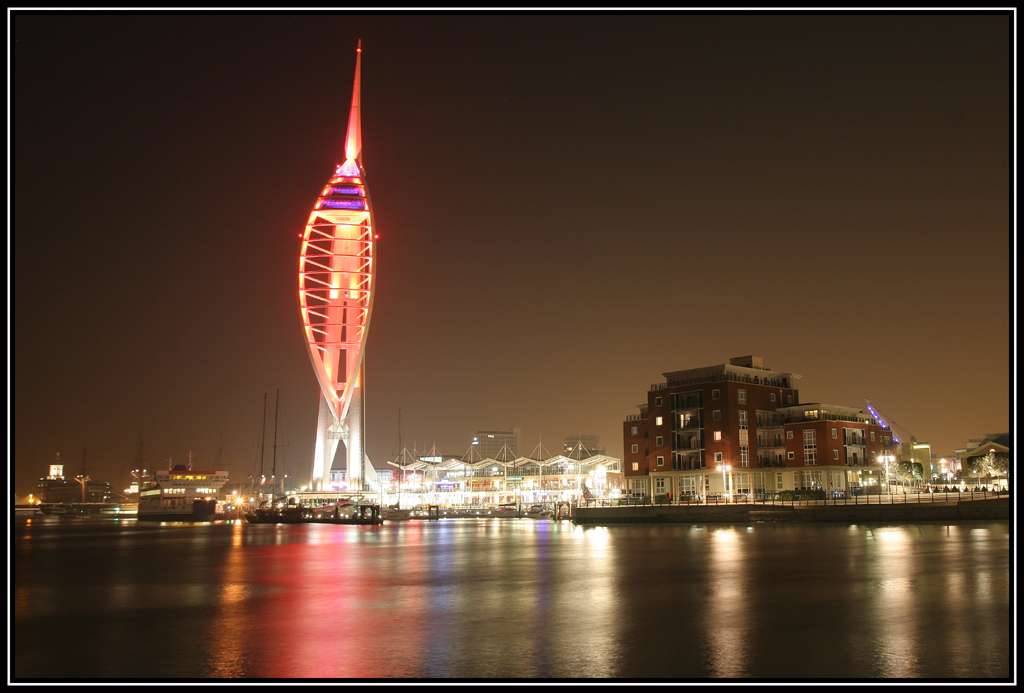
[{"x": 749, "y": 418}]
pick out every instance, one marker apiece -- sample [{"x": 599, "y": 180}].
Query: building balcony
[{"x": 636, "y": 417}]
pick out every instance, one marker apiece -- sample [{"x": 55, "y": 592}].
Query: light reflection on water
[{"x": 511, "y": 599}]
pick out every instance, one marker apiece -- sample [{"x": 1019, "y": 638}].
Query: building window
[
  {"x": 636, "y": 448},
  {"x": 657, "y": 401},
  {"x": 718, "y": 435},
  {"x": 789, "y": 456},
  {"x": 715, "y": 394},
  {"x": 633, "y": 431},
  {"x": 659, "y": 441},
  {"x": 716, "y": 414},
  {"x": 810, "y": 446},
  {"x": 835, "y": 454},
  {"x": 659, "y": 485},
  {"x": 661, "y": 461},
  {"x": 744, "y": 455},
  {"x": 718, "y": 458},
  {"x": 779, "y": 483},
  {"x": 789, "y": 435},
  {"x": 741, "y": 396},
  {"x": 789, "y": 399},
  {"x": 773, "y": 396},
  {"x": 636, "y": 466},
  {"x": 657, "y": 421},
  {"x": 872, "y": 435},
  {"x": 835, "y": 433},
  {"x": 743, "y": 418}
]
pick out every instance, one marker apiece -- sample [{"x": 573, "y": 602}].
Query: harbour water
[{"x": 116, "y": 599}]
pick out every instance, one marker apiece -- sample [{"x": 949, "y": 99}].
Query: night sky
[{"x": 568, "y": 207}]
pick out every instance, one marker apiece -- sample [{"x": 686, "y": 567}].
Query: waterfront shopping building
[
  {"x": 459, "y": 481},
  {"x": 739, "y": 428}
]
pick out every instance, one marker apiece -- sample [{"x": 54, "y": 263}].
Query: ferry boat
[{"x": 180, "y": 494}]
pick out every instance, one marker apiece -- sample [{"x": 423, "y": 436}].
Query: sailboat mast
[
  {"x": 273, "y": 467},
  {"x": 263, "y": 441},
  {"x": 402, "y": 453}
]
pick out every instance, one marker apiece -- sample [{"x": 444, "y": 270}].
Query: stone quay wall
[{"x": 953, "y": 511}]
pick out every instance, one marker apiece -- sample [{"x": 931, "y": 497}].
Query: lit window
[
  {"x": 810, "y": 446},
  {"x": 718, "y": 435},
  {"x": 636, "y": 466},
  {"x": 744, "y": 455},
  {"x": 657, "y": 421},
  {"x": 632, "y": 431},
  {"x": 742, "y": 418},
  {"x": 741, "y": 396}
]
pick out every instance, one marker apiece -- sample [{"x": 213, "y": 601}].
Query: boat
[
  {"x": 507, "y": 510},
  {"x": 268, "y": 512},
  {"x": 397, "y": 514},
  {"x": 180, "y": 494},
  {"x": 344, "y": 512},
  {"x": 71, "y": 510},
  {"x": 287, "y": 514},
  {"x": 538, "y": 512}
]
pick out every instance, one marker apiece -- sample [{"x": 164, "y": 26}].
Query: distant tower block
[{"x": 336, "y": 283}]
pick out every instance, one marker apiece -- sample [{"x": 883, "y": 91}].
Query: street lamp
[
  {"x": 725, "y": 481},
  {"x": 82, "y": 479},
  {"x": 887, "y": 459}
]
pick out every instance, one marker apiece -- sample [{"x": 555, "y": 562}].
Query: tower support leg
[
  {"x": 326, "y": 447},
  {"x": 355, "y": 445}
]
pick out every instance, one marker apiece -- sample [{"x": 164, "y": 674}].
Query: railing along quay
[{"x": 858, "y": 499}]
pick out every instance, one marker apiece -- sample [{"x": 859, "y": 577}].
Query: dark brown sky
[{"x": 569, "y": 206}]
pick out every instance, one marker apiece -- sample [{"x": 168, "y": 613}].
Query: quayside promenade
[{"x": 882, "y": 508}]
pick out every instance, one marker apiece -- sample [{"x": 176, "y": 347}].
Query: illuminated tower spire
[
  {"x": 354, "y": 136},
  {"x": 336, "y": 282}
]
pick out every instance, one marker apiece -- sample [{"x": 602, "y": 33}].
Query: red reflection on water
[{"x": 312, "y": 605}]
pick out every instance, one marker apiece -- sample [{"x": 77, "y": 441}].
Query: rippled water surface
[{"x": 509, "y": 599}]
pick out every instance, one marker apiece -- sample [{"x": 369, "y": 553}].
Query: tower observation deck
[{"x": 336, "y": 286}]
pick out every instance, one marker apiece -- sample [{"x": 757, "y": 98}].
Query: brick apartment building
[{"x": 748, "y": 418}]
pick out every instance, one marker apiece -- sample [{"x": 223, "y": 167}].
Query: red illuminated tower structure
[{"x": 336, "y": 283}]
